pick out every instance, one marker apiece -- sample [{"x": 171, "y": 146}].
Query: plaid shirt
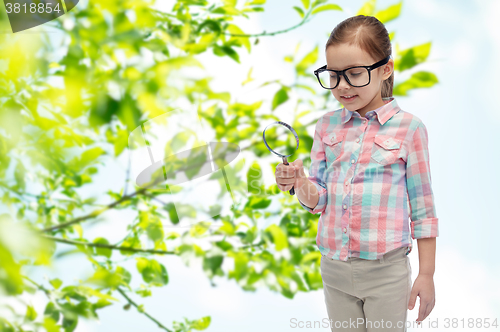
[{"x": 372, "y": 173}]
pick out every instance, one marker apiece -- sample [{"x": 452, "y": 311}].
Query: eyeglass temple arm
[
  {"x": 375, "y": 65},
  {"x": 378, "y": 64},
  {"x": 317, "y": 70}
]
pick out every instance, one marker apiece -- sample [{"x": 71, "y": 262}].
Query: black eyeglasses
[{"x": 356, "y": 76}]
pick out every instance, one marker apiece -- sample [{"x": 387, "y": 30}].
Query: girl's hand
[
  {"x": 290, "y": 175},
  {"x": 424, "y": 288}
]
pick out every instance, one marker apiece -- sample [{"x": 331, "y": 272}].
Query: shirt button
[
  {"x": 357, "y": 140},
  {"x": 345, "y": 230},
  {"x": 352, "y": 161},
  {"x": 345, "y": 207}
]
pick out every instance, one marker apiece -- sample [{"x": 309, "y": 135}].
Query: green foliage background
[{"x": 54, "y": 141}]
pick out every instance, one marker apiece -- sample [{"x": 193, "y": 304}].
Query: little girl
[{"x": 369, "y": 173}]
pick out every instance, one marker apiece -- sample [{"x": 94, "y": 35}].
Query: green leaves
[
  {"x": 130, "y": 242},
  {"x": 118, "y": 139},
  {"x": 314, "y": 8},
  {"x": 367, "y": 9},
  {"x": 390, "y": 13},
  {"x": 104, "y": 278},
  {"x": 188, "y": 325},
  {"x": 102, "y": 110},
  {"x": 278, "y": 237},
  {"x": 221, "y": 50},
  {"x": 18, "y": 239},
  {"x": 412, "y": 56},
  {"x": 254, "y": 179},
  {"x": 385, "y": 15},
  {"x": 56, "y": 283},
  {"x": 280, "y": 97},
  {"x": 106, "y": 252},
  {"x": 258, "y": 202},
  {"x": 124, "y": 275},
  {"x": 326, "y": 7},
  {"x": 72, "y": 302},
  {"x": 240, "y": 265},
  {"x": 52, "y": 312},
  {"x": 202, "y": 323},
  {"x": 210, "y": 25},
  {"x": 236, "y": 40},
  {"x": 153, "y": 227},
  {"x": 212, "y": 264},
  {"x": 30, "y": 313},
  {"x": 421, "y": 79},
  {"x": 88, "y": 157},
  {"x": 299, "y": 10},
  {"x": 153, "y": 273},
  {"x": 294, "y": 225},
  {"x": 308, "y": 60}
]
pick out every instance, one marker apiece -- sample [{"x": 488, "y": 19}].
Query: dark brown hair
[{"x": 369, "y": 34}]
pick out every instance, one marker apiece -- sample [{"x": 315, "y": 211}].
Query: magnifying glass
[{"x": 283, "y": 140}]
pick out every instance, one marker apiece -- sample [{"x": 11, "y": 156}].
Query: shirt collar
[{"x": 384, "y": 113}]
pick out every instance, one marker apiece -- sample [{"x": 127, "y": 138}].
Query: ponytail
[{"x": 387, "y": 86}]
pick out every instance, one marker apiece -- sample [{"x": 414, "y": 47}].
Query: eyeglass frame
[{"x": 342, "y": 72}]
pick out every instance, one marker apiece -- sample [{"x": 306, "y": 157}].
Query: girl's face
[{"x": 367, "y": 98}]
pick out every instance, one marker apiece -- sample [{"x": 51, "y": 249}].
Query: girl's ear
[{"x": 388, "y": 69}]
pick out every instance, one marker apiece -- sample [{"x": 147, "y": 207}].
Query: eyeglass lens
[{"x": 356, "y": 76}]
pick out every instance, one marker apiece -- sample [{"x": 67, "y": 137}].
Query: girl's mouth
[{"x": 348, "y": 99}]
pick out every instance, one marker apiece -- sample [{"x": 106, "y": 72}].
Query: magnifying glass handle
[{"x": 291, "y": 191}]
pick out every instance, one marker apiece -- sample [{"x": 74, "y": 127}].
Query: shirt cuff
[
  {"x": 424, "y": 228},
  {"x": 320, "y": 207}
]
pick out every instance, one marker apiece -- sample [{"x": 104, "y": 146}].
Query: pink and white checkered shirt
[{"x": 372, "y": 174}]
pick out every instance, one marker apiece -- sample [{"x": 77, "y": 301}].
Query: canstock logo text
[{"x": 26, "y": 14}]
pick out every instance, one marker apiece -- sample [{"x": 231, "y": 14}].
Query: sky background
[{"x": 462, "y": 118}]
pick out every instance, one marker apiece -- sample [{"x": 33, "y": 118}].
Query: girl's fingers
[
  {"x": 286, "y": 171},
  {"x": 287, "y": 188},
  {"x": 285, "y": 181},
  {"x": 285, "y": 184},
  {"x": 285, "y": 176}
]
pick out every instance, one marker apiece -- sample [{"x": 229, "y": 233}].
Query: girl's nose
[{"x": 343, "y": 83}]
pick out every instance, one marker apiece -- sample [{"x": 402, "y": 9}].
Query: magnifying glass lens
[{"x": 280, "y": 139}]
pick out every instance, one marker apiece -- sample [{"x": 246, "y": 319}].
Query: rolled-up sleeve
[
  {"x": 424, "y": 223},
  {"x": 317, "y": 170}
]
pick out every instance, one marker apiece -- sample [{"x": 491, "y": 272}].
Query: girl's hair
[{"x": 368, "y": 33}]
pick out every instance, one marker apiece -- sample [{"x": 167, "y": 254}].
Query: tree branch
[
  {"x": 142, "y": 311},
  {"x": 264, "y": 33},
  {"x": 47, "y": 292},
  {"x": 95, "y": 213},
  {"x": 109, "y": 246}
]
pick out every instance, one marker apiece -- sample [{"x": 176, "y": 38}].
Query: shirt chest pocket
[
  {"x": 386, "y": 149},
  {"x": 332, "y": 145}
]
